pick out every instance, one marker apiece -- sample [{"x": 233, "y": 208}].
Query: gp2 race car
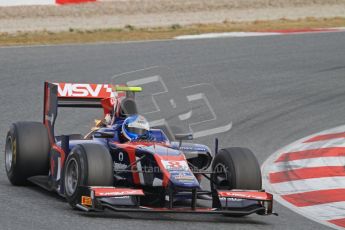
[{"x": 99, "y": 171}]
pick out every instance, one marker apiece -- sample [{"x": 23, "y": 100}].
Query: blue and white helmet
[{"x": 135, "y": 127}]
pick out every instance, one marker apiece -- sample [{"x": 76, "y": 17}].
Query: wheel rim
[
  {"x": 221, "y": 176},
  {"x": 9, "y": 150},
  {"x": 71, "y": 178}
]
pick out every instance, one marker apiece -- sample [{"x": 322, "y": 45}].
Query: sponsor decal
[
  {"x": 230, "y": 199},
  {"x": 119, "y": 166},
  {"x": 172, "y": 165},
  {"x": 84, "y": 90},
  {"x": 184, "y": 176},
  {"x": 111, "y": 191},
  {"x": 140, "y": 123},
  {"x": 115, "y": 193},
  {"x": 188, "y": 148}
]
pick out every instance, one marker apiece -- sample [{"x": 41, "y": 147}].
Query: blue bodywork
[{"x": 156, "y": 148}]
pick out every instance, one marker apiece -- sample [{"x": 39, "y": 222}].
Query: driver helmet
[{"x": 135, "y": 127}]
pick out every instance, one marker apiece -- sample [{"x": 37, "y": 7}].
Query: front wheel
[
  {"x": 236, "y": 168},
  {"x": 86, "y": 165}
]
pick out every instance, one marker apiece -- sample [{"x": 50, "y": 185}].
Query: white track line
[
  {"x": 300, "y": 146},
  {"x": 255, "y": 34},
  {"x": 309, "y": 185},
  {"x": 329, "y": 211},
  {"x": 224, "y": 35},
  {"x": 26, "y": 2},
  {"x": 308, "y": 163}
]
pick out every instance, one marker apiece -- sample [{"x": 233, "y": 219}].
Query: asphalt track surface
[{"x": 276, "y": 90}]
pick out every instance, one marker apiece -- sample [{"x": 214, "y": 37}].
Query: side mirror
[
  {"x": 100, "y": 134},
  {"x": 183, "y": 137}
]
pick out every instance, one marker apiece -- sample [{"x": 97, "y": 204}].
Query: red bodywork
[{"x": 250, "y": 195}]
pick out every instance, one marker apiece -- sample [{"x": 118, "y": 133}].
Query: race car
[{"x": 124, "y": 165}]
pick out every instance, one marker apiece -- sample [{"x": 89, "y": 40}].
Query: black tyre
[
  {"x": 26, "y": 152},
  {"x": 86, "y": 165},
  {"x": 236, "y": 168}
]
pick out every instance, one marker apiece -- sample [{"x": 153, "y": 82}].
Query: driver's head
[{"x": 135, "y": 127}]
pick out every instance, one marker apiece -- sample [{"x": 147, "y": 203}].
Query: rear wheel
[
  {"x": 26, "y": 151},
  {"x": 86, "y": 165},
  {"x": 236, "y": 168}
]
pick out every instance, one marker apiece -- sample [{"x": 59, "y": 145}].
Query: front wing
[{"x": 231, "y": 202}]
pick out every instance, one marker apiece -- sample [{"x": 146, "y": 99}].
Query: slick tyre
[
  {"x": 86, "y": 165},
  {"x": 236, "y": 168},
  {"x": 26, "y": 152}
]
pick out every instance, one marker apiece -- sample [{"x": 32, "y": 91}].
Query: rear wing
[
  {"x": 83, "y": 95},
  {"x": 77, "y": 95}
]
